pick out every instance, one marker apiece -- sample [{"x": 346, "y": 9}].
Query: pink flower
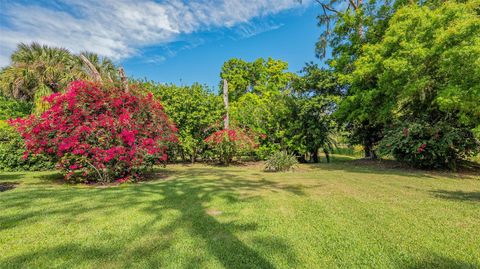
[
  {"x": 128, "y": 137},
  {"x": 422, "y": 148},
  {"x": 73, "y": 167}
]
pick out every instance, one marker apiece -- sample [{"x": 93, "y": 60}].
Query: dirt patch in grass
[{"x": 6, "y": 186}]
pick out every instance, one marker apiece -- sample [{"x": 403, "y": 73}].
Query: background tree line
[{"x": 402, "y": 79}]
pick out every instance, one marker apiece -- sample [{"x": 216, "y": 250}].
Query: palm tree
[{"x": 39, "y": 70}]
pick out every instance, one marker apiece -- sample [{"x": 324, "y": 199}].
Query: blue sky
[
  {"x": 289, "y": 36},
  {"x": 172, "y": 41}
]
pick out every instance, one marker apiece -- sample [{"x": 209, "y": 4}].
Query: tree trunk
[
  {"x": 327, "y": 155},
  {"x": 124, "y": 79},
  {"x": 300, "y": 157},
  {"x": 194, "y": 155},
  {"x": 226, "y": 120},
  {"x": 315, "y": 156},
  {"x": 369, "y": 151},
  {"x": 360, "y": 27}
]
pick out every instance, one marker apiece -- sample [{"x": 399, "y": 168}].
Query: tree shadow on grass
[
  {"x": 11, "y": 177},
  {"x": 55, "y": 178},
  {"x": 221, "y": 240},
  {"x": 435, "y": 261},
  {"x": 369, "y": 167},
  {"x": 457, "y": 195},
  {"x": 187, "y": 192},
  {"x": 6, "y": 186},
  {"x": 391, "y": 167}
]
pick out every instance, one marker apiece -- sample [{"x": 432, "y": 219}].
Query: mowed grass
[{"x": 339, "y": 215}]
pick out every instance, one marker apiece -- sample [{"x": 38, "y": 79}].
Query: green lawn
[{"x": 342, "y": 215}]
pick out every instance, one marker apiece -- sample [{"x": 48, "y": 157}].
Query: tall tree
[
  {"x": 347, "y": 27},
  {"x": 258, "y": 77},
  {"x": 312, "y": 102},
  {"x": 424, "y": 70},
  {"x": 35, "y": 67},
  {"x": 426, "y": 64},
  {"x": 257, "y": 92}
]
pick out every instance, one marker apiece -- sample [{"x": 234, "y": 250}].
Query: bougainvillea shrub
[
  {"x": 98, "y": 133},
  {"x": 228, "y": 142},
  {"x": 427, "y": 145}
]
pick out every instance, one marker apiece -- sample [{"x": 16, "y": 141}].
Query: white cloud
[
  {"x": 119, "y": 28},
  {"x": 247, "y": 30},
  {"x": 155, "y": 59}
]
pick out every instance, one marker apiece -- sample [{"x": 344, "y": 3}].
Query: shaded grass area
[{"x": 344, "y": 214}]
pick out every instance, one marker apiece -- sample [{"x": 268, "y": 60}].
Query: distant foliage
[
  {"x": 430, "y": 146},
  {"x": 99, "y": 134},
  {"x": 194, "y": 109},
  {"x": 258, "y": 93},
  {"x": 227, "y": 143},
  {"x": 280, "y": 161}
]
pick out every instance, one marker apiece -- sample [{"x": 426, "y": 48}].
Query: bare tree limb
[
  {"x": 93, "y": 71},
  {"x": 354, "y": 5},
  {"x": 326, "y": 7},
  {"x": 124, "y": 79}
]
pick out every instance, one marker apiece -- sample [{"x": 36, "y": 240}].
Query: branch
[
  {"x": 98, "y": 172},
  {"x": 326, "y": 7},
  {"x": 352, "y": 2},
  {"x": 225, "y": 100},
  {"x": 124, "y": 79},
  {"x": 94, "y": 72}
]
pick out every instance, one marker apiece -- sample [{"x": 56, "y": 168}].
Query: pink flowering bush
[
  {"x": 227, "y": 143},
  {"x": 427, "y": 145},
  {"x": 98, "y": 133}
]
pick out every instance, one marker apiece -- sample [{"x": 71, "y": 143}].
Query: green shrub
[
  {"x": 12, "y": 145},
  {"x": 280, "y": 161},
  {"x": 266, "y": 150},
  {"x": 10, "y": 108},
  {"x": 12, "y": 148},
  {"x": 426, "y": 145},
  {"x": 349, "y": 150}
]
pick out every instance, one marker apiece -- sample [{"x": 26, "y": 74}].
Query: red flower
[
  {"x": 422, "y": 148},
  {"x": 128, "y": 137}
]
